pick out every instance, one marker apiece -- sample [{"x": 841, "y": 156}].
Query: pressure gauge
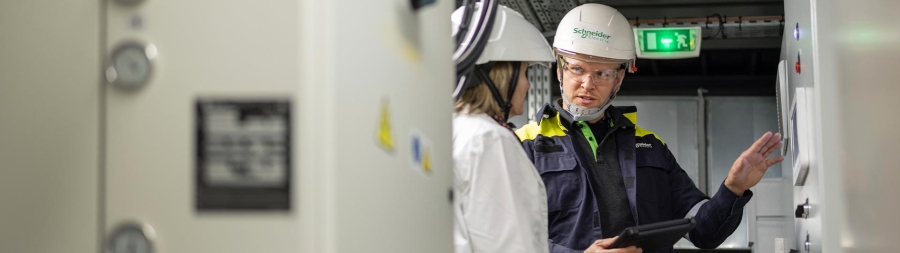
[
  {"x": 129, "y": 2},
  {"x": 131, "y": 65},
  {"x": 130, "y": 238}
]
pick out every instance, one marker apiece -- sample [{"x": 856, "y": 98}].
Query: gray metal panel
[
  {"x": 681, "y": 2},
  {"x": 749, "y": 29},
  {"x": 769, "y": 230},
  {"x": 688, "y": 147},
  {"x": 731, "y": 30},
  {"x": 857, "y": 51},
  {"x": 346, "y": 203},
  {"x": 734, "y": 123},
  {"x": 768, "y": 196},
  {"x": 543, "y": 17},
  {"x": 550, "y": 12},
  {"x": 540, "y": 92},
  {"x": 701, "y": 142},
  {"x": 765, "y": 119},
  {"x": 659, "y": 114},
  {"x": 741, "y": 43},
  {"x": 50, "y": 126},
  {"x": 701, "y": 8},
  {"x": 523, "y": 7},
  {"x": 800, "y": 13}
]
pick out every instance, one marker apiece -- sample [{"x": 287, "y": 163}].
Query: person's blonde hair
[{"x": 480, "y": 100}]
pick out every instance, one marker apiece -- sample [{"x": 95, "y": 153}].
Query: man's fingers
[
  {"x": 774, "y": 161},
  {"x": 772, "y": 142},
  {"x": 760, "y": 143},
  {"x": 631, "y": 249},
  {"x": 772, "y": 149},
  {"x": 604, "y": 243}
]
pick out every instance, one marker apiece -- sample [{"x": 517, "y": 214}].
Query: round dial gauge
[
  {"x": 131, "y": 65},
  {"x": 130, "y": 238},
  {"x": 129, "y": 2}
]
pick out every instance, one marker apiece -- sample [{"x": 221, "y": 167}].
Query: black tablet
[{"x": 655, "y": 236}]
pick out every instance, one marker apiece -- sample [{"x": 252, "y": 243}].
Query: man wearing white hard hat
[{"x": 603, "y": 173}]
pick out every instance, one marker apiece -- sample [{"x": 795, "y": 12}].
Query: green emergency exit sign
[{"x": 668, "y": 43}]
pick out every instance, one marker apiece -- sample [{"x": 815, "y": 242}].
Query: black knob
[{"x": 799, "y": 212}]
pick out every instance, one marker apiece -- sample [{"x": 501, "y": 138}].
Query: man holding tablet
[{"x": 603, "y": 173}]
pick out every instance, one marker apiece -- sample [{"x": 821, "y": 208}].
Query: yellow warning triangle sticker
[
  {"x": 426, "y": 161},
  {"x": 385, "y": 135}
]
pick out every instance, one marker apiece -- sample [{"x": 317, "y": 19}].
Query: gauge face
[
  {"x": 129, "y": 239},
  {"x": 129, "y": 2},
  {"x": 130, "y": 66}
]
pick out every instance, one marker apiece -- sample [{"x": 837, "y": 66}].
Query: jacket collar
[{"x": 617, "y": 114}]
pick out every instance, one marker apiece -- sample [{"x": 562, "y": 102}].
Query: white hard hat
[
  {"x": 595, "y": 30},
  {"x": 512, "y": 38}
]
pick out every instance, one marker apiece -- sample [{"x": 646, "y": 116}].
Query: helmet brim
[{"x": 588, "y": 58}]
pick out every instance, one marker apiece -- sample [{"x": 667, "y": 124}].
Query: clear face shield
[{"x": 582, "y": 73}]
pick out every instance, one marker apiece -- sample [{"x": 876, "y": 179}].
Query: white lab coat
[{"x": 500, "y": 203}]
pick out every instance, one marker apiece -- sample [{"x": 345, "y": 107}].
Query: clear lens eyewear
[{"x": 580, "y": 73}]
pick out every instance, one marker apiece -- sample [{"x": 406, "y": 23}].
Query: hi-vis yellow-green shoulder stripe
[
  {"x": 640, "y": 131},
  {"x": 552, "y": 127},
  {"x": 549, "y": 127}
]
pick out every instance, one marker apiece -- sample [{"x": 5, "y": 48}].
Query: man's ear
[
  {"x": 619, "y": 79},
  {"x": 559, "y": 72}
]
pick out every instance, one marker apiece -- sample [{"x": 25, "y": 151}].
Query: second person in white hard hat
[
  {"x": 499, "y": 199},
  {"x": 603, "y": 172}
]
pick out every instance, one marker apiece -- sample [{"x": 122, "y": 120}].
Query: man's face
[{"x": 588, "y": 84}]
